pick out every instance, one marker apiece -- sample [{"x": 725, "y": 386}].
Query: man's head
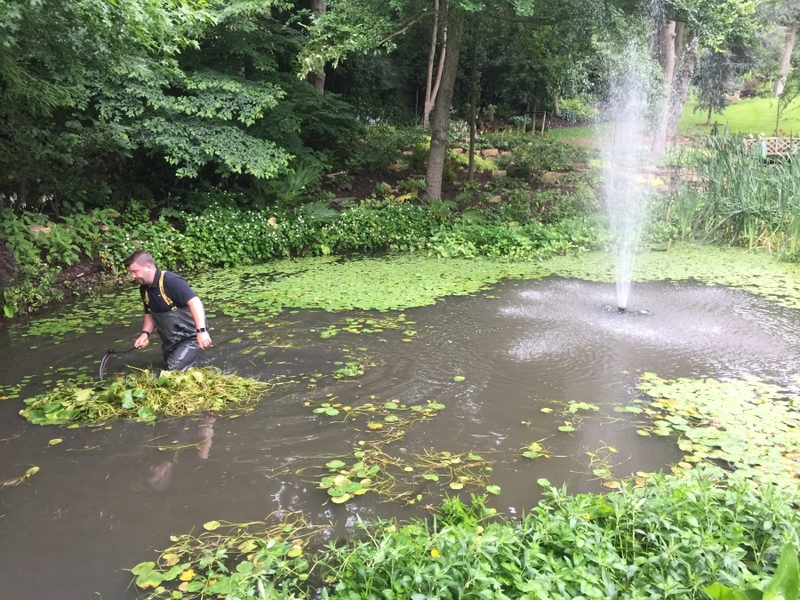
[{"x": 141, "y": 267}]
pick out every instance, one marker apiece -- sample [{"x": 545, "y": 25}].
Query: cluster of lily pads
[
  {"x": 265, "y": 557},
  {"x": 748, "y": 424}
]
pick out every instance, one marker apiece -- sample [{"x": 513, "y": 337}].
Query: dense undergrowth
[
  {"x": 721, "y": 193},
  {"x": 504, "y": 217},
  {"x": 665, "y": 537}
]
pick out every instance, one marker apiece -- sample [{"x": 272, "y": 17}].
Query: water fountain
[{"x": 626, "y": 194}]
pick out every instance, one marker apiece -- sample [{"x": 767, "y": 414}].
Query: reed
[{"x": 730, "y": 194}]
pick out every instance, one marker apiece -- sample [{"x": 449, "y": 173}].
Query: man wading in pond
[{"x": 171, "y": 307}]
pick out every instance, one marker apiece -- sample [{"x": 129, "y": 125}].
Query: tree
[
  {"x": 364, "y": 25},
  {"x": 177, "y": 95},
  {"x": 53, "y": 53},
  {"x": 713, "y": 81},
  {"x": 51, "y": 48},
  {"x": 785, "y": 14},
  {"x": 318, "y": 7},
  {"x": 709, "y": 24}
]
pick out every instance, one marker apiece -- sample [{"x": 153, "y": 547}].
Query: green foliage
[
  {"x": 737, "y": 197},
  {"x": 577, "y": 110},
  {"x": 785, "y": 585},
  {"x": 517, "y": 242},
  {"x": 529, "y": 161},
  {"x": 381, "y": 145},
  {"x": 666, "y": 537},
  {"x": 41, "y": 248},
  {"x": 262, "y": 559},
  {"x": 670, "y": 536},
  {"x": 51, "y": 49}
]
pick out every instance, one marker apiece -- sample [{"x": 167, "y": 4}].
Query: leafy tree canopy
[
  {"x": 49, "y": 48},
  {"x": 716, "y": 21},
  {"x": 363, "y": 25}
]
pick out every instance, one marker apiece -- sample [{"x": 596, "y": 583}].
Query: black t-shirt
[{"x": 175, "y": 287}]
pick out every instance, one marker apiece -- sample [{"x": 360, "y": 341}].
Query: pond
[{"x": 510, "y": 364}]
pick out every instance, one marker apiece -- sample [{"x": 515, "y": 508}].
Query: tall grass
[{"x": 732, "y": 195}]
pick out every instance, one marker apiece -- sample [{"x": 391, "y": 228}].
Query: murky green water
[{"x": 106, "y": 498}]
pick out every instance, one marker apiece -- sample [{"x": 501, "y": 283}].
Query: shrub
[{"x": 577, "y": 110}]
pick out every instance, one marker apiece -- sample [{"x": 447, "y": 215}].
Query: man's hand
[
  {"x": 142, "y": 340},
  {"x": 203, "y": 339}
]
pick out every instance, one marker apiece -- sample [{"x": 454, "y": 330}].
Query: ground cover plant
[
  {"x": 673, "y": 536},
  {"x": 140, "y": 396}
]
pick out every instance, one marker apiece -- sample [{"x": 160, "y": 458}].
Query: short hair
[{"x": 140, "y": 257}]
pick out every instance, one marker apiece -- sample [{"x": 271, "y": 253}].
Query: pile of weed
[{"x": 140, "y": 396}]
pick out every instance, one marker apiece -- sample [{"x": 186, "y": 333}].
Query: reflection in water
[
  {"x": 161, "y": 473},
  {"x": 525, "y": 347}
]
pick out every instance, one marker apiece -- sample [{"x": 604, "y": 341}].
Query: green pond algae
[{"x": 261, "y": 292}]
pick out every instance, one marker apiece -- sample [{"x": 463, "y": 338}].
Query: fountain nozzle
[{"x": 621, "y": 309}]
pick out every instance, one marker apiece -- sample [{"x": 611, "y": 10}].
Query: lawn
[{"x": 751, "y": 115}]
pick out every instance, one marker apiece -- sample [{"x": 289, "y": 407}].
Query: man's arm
[{"x": 199, "y": 315}]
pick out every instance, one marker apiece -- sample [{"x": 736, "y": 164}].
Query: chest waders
[{"x": 176, "y": 328}]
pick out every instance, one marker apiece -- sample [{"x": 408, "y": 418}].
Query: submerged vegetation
[{"x": 140, "y": 396}]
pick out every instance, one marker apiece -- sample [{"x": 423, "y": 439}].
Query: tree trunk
[
  {"x": 680, "y": 30},
  {"x": 473, "y": 109},
  {"x": 668, "y": 123},
  {"x": 786, "y": 61},
  {"x": 665, "y": 50},
  {"x": 441, "y": 111},
  {"x": 318, "y": 79},
  {"x": 431, "y": 87},
  {"x": 670, "y": 54}
]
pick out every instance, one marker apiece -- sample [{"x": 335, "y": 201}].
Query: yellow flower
[
  {"x": 586, "y": 516},
  {"x": 187, "y": 575},
  {"x": 435, "y": 553}
]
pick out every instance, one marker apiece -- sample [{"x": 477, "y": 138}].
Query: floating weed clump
[
  {"x": 18, "y": 480},
  {"x": 245, "y": 560},
  {"x": 406, "y": 478},
  {"x": 389, "y": 420},
  {"x": 141, "y": 396},
  {"x": 748, "y": 423}
]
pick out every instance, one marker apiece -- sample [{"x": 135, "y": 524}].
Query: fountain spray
[{"x": 625, "y": 189}]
